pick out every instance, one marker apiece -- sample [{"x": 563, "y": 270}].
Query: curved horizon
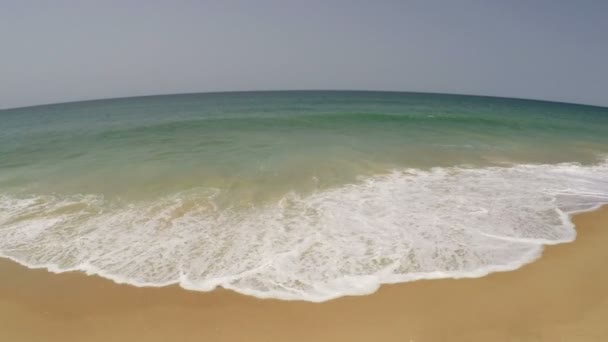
[{"x": 305, "y": 90}]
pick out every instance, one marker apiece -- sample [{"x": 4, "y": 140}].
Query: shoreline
[{"x": 561, "y": 295}]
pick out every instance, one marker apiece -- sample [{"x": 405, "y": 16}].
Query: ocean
[{"x": 295, "y": 195}]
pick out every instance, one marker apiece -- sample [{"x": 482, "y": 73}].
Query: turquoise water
[{"x": 295, "y": 195}]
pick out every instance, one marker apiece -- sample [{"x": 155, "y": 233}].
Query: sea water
[{"x": 307, "y": 195}]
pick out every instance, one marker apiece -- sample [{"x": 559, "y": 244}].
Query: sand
[{"x": 563, "y": 296}]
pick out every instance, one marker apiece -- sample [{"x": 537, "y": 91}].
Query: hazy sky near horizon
[{"x": 57, "y": 51}]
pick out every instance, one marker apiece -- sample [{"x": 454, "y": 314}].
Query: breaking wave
[{"x": 407, "y": 225}]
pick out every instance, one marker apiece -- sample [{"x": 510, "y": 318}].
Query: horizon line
[{"x": 302, "y": 90}]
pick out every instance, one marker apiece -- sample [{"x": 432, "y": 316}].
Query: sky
[{"x": 58, "y": 51}]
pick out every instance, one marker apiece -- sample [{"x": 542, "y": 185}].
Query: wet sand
[{"x": 561, "y": 297}]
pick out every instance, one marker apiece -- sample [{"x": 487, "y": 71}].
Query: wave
[
  {"x": 407, "y": 225},
  {"x": 332, "y": 120}
]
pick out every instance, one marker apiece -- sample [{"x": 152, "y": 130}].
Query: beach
[
  {"x": 563, "y": 296},
  {"x": 303, "y": 216},
  {"x": 334, "y": 171}
]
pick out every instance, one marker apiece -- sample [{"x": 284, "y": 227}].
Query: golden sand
[{"x": 561, "y": 297}]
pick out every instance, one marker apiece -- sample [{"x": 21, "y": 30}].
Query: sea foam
[{"x": 407, "y": 225}]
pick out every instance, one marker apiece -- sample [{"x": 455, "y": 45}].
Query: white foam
[{"x": 408, "y": 225}]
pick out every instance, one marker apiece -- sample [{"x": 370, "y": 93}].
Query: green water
[
  {"x": 262, "y": 144},
  {"x": 307, "y": 195}
]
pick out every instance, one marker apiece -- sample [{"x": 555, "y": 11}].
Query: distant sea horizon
[{"x": 126, "y": 97}]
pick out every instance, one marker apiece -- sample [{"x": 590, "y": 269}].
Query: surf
[{"x": 409, "y": 224}]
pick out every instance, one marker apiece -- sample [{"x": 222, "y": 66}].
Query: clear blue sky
[{"x": 55, "y": 51}]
